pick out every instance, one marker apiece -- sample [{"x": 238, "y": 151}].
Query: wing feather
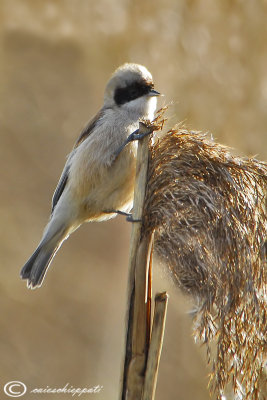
[
  {"x": 89, "y": 128},
  {"x": 60, "y": 186},
  {"x": 65, "y": 174}
]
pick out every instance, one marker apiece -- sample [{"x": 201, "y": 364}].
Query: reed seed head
[{"x": 208, "y": 211}]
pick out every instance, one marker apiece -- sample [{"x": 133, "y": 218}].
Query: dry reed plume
[{"x": 208, "y": 210}]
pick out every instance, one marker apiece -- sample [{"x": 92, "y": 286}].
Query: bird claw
[
  {"x": 138, "y": 136},
  {"x": 129, "y": 216},
  {"x": 148, "y": 129}
]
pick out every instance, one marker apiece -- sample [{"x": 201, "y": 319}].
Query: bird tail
[{"x": 36, "y": 267}]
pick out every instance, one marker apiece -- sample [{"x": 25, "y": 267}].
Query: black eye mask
[{"x": 132, "y": 92}]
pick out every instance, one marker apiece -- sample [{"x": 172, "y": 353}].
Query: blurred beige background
[{"x": 210, "y": 59}]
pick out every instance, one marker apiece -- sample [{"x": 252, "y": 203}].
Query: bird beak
[{"x": 153, "y": 93}]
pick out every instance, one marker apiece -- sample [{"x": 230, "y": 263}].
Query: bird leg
[
  {"x": 136, "y": 135},
  {"x": 128, "y": 216}
]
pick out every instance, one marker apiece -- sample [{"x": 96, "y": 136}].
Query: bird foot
[
  {"x": 136, "y": 135},
  {"x": 129, "y": 216}
]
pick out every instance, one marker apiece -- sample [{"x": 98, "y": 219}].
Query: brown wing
[
  {"x": 65, "y": 174},
  {"x": 88, "y": 128}
]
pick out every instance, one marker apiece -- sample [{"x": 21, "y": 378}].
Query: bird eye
[{"x": 133, "y": 93}]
